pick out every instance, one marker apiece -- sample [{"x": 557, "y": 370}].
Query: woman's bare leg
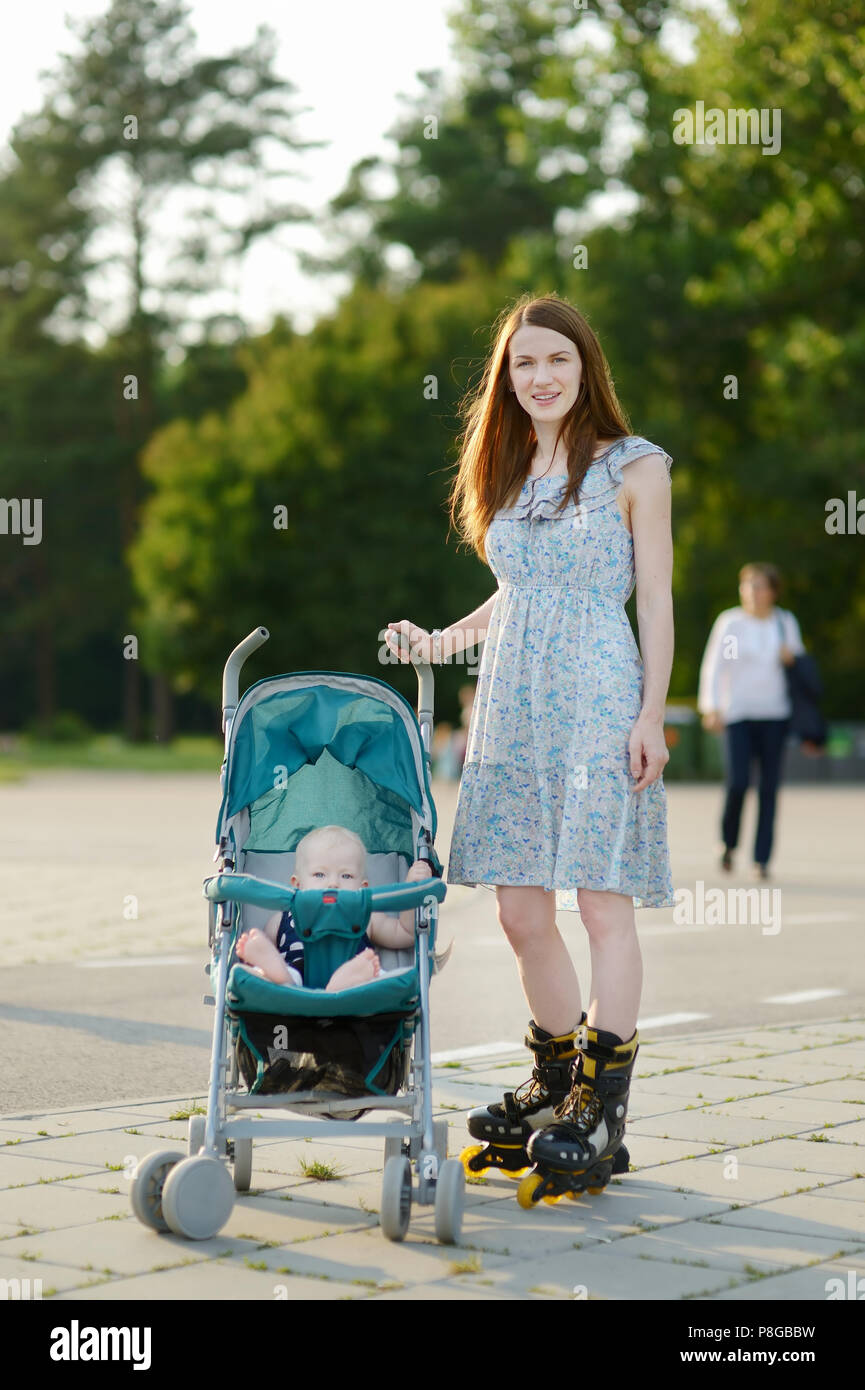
[
  {"x": 617, "y": 965},
  {"x": 549, "y": 980}
]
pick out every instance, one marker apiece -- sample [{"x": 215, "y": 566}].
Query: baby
[{"x": 330, "y": 857}]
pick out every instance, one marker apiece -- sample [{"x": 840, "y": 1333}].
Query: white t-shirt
[{"x": 742, "y": 675}]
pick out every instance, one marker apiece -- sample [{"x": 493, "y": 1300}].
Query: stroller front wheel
[{"x": 198, "y": 1197}]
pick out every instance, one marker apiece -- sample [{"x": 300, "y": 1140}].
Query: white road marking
[
  {"x": 802, "y": 919},
  {"x": 667, "y": 1020},
  {"x": 496, "y": 1049},
  {"x": 805, "y": 919},
  {"x": 105, "y": 963},
  {"x": 466, "y": 1054},
  {"x": 804, "y": 996}
]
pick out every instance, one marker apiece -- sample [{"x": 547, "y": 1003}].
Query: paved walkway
[{"x": 748, "y": 1184}]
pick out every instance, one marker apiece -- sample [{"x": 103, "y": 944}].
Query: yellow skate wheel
[
  {"x": 527, "y": 1189},
  {"x": 515, "y": 1173},
  {"x": 467, "y": 1155},
  {"x": 573, "y": 1196},
  {"x": 596, "y": 1191}
]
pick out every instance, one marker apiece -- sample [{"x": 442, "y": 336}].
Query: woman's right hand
[
  {"x": 713, "y": 722},
  {"x": 418, "y": 637}
]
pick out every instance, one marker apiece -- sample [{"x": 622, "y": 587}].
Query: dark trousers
[{"x": 745, "y": 741}]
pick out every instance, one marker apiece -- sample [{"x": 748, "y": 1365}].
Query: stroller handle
[
  {"x": 425, "y": 682},
  {"x": 231, "y": 674}
]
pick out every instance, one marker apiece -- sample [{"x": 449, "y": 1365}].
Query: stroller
[{"x": 303, "y": 750}]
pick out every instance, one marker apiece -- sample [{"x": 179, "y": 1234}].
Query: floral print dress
[{"x": 545, "y": 795}]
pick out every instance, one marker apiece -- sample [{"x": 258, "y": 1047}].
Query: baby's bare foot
[
  {"x": 254, "y": 948},
  {"x": 357, "y": 971}
]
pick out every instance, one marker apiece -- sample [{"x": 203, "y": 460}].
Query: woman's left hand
[
  {"x": 648, "y": 751},
  {"x": 786, "y": 654}
]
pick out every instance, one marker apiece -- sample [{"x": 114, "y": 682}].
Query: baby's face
[{"x": 333, "y": 866}]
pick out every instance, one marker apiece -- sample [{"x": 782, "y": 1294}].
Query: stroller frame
[{"x": 193, "y": 1195}]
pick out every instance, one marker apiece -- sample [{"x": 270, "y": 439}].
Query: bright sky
[{"x": 350, "y": 62}]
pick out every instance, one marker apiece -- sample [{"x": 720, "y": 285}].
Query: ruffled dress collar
[{"x": 539, "y": 497}]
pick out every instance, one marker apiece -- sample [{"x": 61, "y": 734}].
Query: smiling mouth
[{"x": 546, "y": 399}]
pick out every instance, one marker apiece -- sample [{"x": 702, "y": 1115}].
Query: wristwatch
[{"x": 436, "y": 641}]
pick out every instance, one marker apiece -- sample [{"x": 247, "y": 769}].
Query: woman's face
[
  {"x": 545, "y": 372},
  {"x": 755, "y": 593}
]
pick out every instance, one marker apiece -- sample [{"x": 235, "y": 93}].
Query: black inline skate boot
[
  {"x": 505, "y": 1127},
  {"x": 578, "y": 1151}
]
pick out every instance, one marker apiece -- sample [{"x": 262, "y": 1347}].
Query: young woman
[
  {"x": 743, "y": 692},
  {"x": 561, "y": 802}
]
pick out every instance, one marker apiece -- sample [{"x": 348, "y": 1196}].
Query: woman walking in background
[
  {"x": 743, "y": 692},
  {"x": 561, "y": 802}
]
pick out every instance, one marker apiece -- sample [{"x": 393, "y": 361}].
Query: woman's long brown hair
[{"x": 498, "y": 440}]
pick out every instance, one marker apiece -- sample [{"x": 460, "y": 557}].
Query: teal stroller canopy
[{"x": 322, "y": 747}]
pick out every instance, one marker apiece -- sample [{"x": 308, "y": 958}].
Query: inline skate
[
  {"x": 505, "y": 1127},
  {"x": 578, "y": 1151}
]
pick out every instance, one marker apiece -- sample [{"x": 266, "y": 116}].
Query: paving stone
[
  {"x": 849, "y": 1134},
  {"x": 450, "y": 1289},
  {"x": 687, "y": 1086},
  {"x": 843, "y": 1189},
  {"x": 602, "y": 1219},
  {"x": 819, "y": 1158},
  {"x": 788, "y": 1068},
  {"x": 370, "y": 1256},
  {"x": 797, "y": 1112},
  {"x": 212, "y": 1279},
  {"x": 123, "y": 1247},
  {"x": 803, "y": 1214},
  {"x": 604, "y": 1276},
  {"x": 700, "y": 1053},
  {"x": 44, "y": 1207},
  {"x": 18, "y": 1169},
  {"x": 647, "y": 1151},
  {"x": 715, "y": 1128},
  {"x": 264, "y": 1218},
  {"x": 288, "y": 1159},
  {"x": 100, "y": 1147},
  {"x": 54, "y": 1277},
  {"x": 844, "y": 1091},
  {"x": 724, "y": 1246},
  {"x": 803, "y": 1285},
  {"x": 706, "y": 1175},
  {"x": 66, "y": 1122}
]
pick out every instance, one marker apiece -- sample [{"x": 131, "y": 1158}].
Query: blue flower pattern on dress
[{"x": 545, "y": 794}]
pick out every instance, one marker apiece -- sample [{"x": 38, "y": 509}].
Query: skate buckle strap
[{"x": 550, "y": 1048}]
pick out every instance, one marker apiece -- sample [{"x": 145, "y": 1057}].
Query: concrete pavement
[{"x": 747, "y": 1183}]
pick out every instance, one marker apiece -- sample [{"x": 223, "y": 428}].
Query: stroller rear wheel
[
  {"x": 242, "y": 1164},
  {"x": 148, "y": 1180},
  {"x": 396, "y": 1197},
  {"x": 450, "y": 1187},
  {"x": 196, "y": 1134}
]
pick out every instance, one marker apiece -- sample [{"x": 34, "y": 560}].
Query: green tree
[{"x": 133, "y": 106}]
